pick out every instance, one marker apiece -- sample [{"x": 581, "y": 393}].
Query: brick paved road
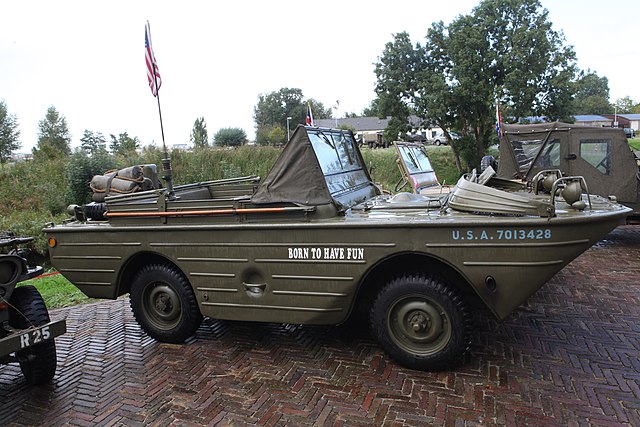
[{"x": 570, "y": 356}]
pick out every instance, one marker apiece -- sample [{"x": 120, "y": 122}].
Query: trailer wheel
[
  {"x": 38, "y": 363},
  {"x": 164, "y": 304},
  {"x": 421, "y": 322}
]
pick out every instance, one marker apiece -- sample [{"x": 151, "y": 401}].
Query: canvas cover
[
  {"x": 601, "y": 155},
  {"x": 296, "y": 177}
]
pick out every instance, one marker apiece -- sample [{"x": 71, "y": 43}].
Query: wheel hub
[
  {"x": 419, "y": 324},
  {"x": 163, "y": 303}
]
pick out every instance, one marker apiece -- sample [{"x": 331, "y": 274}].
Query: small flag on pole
[
  {"x": 498, "y": 121},
  {"x": 309, "y": 116},
  {"x": 153, "y": 74}
]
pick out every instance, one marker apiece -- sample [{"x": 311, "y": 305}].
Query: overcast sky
[{"x": 86, "y": 58}]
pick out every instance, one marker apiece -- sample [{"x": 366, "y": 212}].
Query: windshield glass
[
  {"x": 335, "y": 151},
  {"x": 527, "y": 149},
  {"x": 415, "y": 158},
  {"x": 421, "y": 173},
  {"x": 338, "y": 157}
]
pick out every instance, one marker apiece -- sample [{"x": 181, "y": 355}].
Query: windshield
[
  {"x": 526, "y": 149},
  {"x": 335, "y": 151},
  {"x": 421, "y": 173},
  {"x": 340, "y": 162}
]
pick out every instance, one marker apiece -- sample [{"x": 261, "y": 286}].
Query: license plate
[{"x": 35, "y": 336}]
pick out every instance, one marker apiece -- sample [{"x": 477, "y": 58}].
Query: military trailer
[
  {"x": 26, "y": 331},
  {"x": 315, "y": 241},
  {"x": 601, "y": 155}
]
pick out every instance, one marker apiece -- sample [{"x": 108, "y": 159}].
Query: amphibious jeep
[
  {"x": 315, "y": 241},
  {"x": 601, "y": 155},
  {"x": 26, "y": 332}
]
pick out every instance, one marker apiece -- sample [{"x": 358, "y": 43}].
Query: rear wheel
[
  {"x": 422, "y": 323},
  {"x": 164, "y": 304},
  {"x": 38, "y": 363}
]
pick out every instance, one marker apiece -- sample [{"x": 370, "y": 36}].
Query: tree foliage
[
  {"x": 199, "y": 137},
  {"x": 271, "y": 135},
  {"x": 505, "y": 51},
  {"x": 53, "y": 135},
  {"x": 230, "y": 137},
  {"x": 591, "y": 94},
  {"x": 81, "y": 168},
  {"x": 9, "y": 133},
  {"x": 123, "y": 144},
  {"x": 626, "y": 105},
  {"x": 272, "y": 110},
  {"x": 93, "y": 142},
  {"x": 397, "y": 70}
]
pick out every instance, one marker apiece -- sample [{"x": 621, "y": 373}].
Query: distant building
[
  {"x": 180, "y": 147},
  {"x": 633, "y": 120},
  {"x": 374, "y": 125},
  {"x": 21, "y": 157},
  {"x": 594, "y": 120}
]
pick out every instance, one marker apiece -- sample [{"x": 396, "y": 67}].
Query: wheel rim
[
  {"x": 418, "y": 325},
  {"x": 162, "y": 305}
]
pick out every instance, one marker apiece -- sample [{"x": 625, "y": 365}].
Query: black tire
[
  {"x": 164, "y": 304},
  {"x": 38, "y": 363},
  {"x": 438, "y": 142},
  {"x": 421, "y": 323}
]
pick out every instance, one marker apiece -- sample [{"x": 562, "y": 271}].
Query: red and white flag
[
  {"x": 309, "y": 116},
  {"x": 153, "y": 74}
]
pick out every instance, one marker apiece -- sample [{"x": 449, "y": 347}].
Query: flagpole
[{"x": 167, "y": 172}]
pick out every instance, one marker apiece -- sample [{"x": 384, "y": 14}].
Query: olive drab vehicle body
[
  {"x": 26, "y": 332},
  {"x": 599, "y": 154},
  {"x": 315, "y": 241}
]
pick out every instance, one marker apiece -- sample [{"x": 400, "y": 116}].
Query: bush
[
  {"x": 29, "y": 223},
  {"x": 230, "y": 137},
  {"x": 81, "y": 168},
  {"x": 34, "y": 186}
]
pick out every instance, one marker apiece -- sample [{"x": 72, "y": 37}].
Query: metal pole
[{"x": 167, "y": 172}]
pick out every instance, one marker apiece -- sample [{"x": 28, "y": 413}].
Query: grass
[
  {"x": 57, "y": 291},
  {"x": 634, "y": 143}
]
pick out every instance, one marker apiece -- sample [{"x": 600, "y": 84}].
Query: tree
[
  {"x": 592, "y": 94},
  {"x": 9, "y": 133},
  {"x": 274, "y": 108},
  {"x": 199, "y": 137},
  {"x": 504, "y": 50},
  {"x": 396, "y": 71},
  {"x": 53, "y": 135},
  {"x": 93, "y": 142},
  {"x": 230, "y": 137},
  {"x": 124, "y": 144},
  {"x": 625, "y": 105},
  {"x": 373, "y": 110},
  {"x": 271, "y": 135}
]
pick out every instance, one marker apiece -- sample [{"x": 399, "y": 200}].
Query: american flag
[
  {"x": 153, "y": 74},
  {"x": 309, "y": 116}
]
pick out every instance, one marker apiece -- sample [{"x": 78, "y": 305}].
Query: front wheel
[
  {"x": 164, "y": 304},
  {"x": 421, "y": 323},
  {"x": 37, "y": 363}
]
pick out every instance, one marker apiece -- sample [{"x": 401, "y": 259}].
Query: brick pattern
[{"x": 570, "y": 356}]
